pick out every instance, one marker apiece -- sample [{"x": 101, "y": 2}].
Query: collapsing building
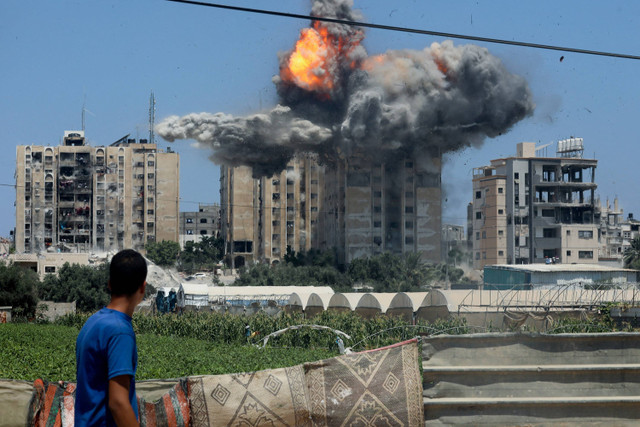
[
  {"x": 359, "y": 210},
  {"x": 262, "y": 217},
  {"x": 365, "y": 118},
  {"x": 79, "y": 198}
]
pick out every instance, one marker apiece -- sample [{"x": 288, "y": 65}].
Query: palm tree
[{"x": 632, "y": 254}]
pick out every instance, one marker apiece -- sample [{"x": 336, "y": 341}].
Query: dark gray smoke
[{"x": 401, "y": 103}]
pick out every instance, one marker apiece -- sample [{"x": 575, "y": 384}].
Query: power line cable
[{"x": 409, "y": 30}]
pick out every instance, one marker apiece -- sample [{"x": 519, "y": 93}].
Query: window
[
  {"x": 408, "y": 164},
  {"x": 500, "y": 190},
  {"x": 568, "y": 253},
  {"x": 478, "y": 194},
  {"x": 500, "y": 232},
  {"x": 516, "y": 175},
  {"x": 49, "y": 269},
  {"x": 377, "y": 224},
  {"x": 408, "y": 225},
  {"x": 149, "y": 211},
  {"x": 408, "y": 194},
  {"x": 289, "y": 224},
  {"x": 477, "y": 255},
  {"x": 408, "y": 240},
  {"x": 585, "y": 254},
  {"x": 377, "y": 209},
  {"x": 203, "y": 220},
  {"x": 275, "y": 223},
  {"x": 189, "y": 232},
  {"x": 408, "y": 209},
  {"x": 549, "y": 232},
  {"x": 484, "y": 255},
  {"x": 377, "y": 240},
  {"x": 500, "y": 211},
  {"x": 314, "y": 209},
  {"x": 484, "y": 234},
  {"x": 585, "y": 234},
  {"x": 377, "y": 194},
  {"x": 477, "y": 235},
  {"x": 189, "y": 220},
  {"x": 478, "y": 215},
  {"x": 500, "y": 253},
  {"x": 203, "y": 232}
]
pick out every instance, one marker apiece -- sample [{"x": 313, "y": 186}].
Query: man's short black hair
[{"x": 127, "y": 272}]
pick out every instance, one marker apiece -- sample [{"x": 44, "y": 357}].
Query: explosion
[{"x": 336, "y": 100}]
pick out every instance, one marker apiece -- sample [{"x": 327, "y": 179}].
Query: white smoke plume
[{"x": 401, "y": 103}]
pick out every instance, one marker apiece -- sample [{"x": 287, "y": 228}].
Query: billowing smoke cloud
[
  {"x": 266, "y": 142},
  {"x": 337, "y": 101}
]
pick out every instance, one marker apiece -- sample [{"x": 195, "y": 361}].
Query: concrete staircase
[{"x": 532, "y": 379}]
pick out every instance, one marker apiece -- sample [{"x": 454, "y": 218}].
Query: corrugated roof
[
  {"x": 302, "y": 291},
  {"x": 556, "y": 267},
  {"x": 195, "y": 288}
]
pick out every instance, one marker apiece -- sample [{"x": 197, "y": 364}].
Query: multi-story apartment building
[
  {"x": 79, "y": 198},
  {"x": 262, "y": 217},
  {"x": 358, "y": 209},
  {"x": 610, "y": 231},
  {"x": 529, "y": 209},
  {"x": 382, "y": 207},
  {"x": 204, "y": 222}
]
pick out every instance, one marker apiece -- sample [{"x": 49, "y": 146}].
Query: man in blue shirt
[{"x": 106, "y": 352}]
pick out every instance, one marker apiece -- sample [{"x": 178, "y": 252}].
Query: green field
[{"x": 30, "y": 351}]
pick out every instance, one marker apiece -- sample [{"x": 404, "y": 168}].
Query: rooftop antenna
[{"x": 152, "y": 118}]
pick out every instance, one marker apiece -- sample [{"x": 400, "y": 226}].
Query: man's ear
[
  {"x": 143, "y": 288},
  {"x": 109, "y": 285}
]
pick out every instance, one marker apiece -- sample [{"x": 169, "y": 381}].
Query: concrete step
[
  {"x": 618, "y": 410},
  {"x": 531, "y": 380}
]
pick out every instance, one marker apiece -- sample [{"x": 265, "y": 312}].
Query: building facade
[
  {"x": 529, "y": 209},
  {"x": 262, "y": 217},
  {"x": 382, "y": 207},
  {"x": 205, "y": 222},
  {"x": 79, "y": 198},
  {"x": 358, "y": 209}
]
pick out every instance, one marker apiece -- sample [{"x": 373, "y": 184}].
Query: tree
[
  {"x": 632, "y": 255},
  {"x": 84, "y": 284},
  {"x": 18, "y": 289},
  {"x": 163, "y": 253},
  {"x": 202, "y": 255}
]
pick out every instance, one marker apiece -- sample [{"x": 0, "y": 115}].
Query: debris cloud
[{"x": 337, "y": 101}]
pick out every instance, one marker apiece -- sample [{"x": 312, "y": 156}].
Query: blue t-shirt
[{"x": 105, "y": 348}]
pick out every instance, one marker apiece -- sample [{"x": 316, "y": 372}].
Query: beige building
[
  {"x": 359, "y": 210},
  {"x": 385, "y": 207},
  {"x": 262, "y": 217},
  {"x": 79, "y": 198},
  {"x": 205, "y": 222},
  {"x": 529, "y": 209}
]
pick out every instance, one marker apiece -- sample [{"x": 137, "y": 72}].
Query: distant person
[{"x": 106, "y": 352}]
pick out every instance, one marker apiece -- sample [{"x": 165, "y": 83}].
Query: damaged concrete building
[
  {"x": 529, "y": 209},
  {"x": 381, "y": 207},
  {"x": 80, "y": 198},
  {"x": 262, "y": 217},
  {"x": 358, "y": 209}
]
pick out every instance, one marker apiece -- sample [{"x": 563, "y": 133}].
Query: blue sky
[{"x": 110, "y": 54}]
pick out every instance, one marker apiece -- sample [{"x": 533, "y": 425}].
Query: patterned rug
[{"x": 380, "y": 387}]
